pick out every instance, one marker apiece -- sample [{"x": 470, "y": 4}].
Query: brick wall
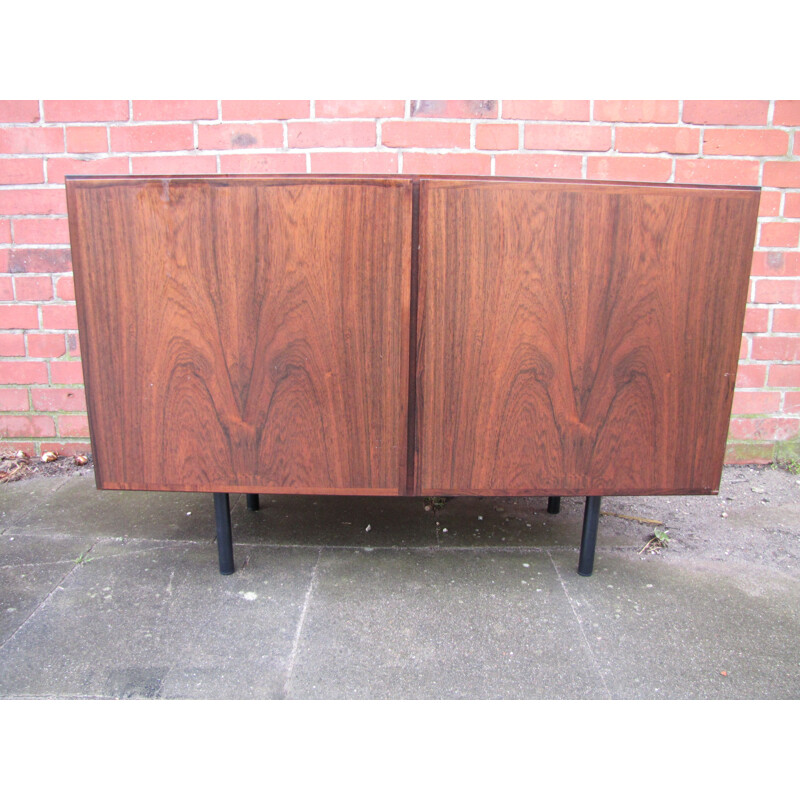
[{"x": 42, "y": 404}]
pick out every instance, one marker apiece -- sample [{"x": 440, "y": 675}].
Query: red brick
[
  {"x": 41, "y": 231},
  {"x": 567, "y": 137},
  {"x": 726, "y": 112},
  {"x": 776, "y": 348},
  {"x": 73, "y": 345},
  {"x": 555, "y": 110},
  {"x": 29, "y": 448},
  {"x": 66, "y": 372},
  {"x": 364, "y": 163},
  {"x": 770, "y": 204},
  {"x": 751, "y": 376},
  {"x": 733, "y": 142},
  {"x": 791, "y": 403},
  {"x": 538, "y": 166},
  {"x": 420, "y": 133},
  {"x": 65, "y": 288},
  {"x": 447, "y": 163},
  {"x": 152, "y": 138},
  {"x": 237, "y": 136},
  {"x": 332, "y": 134},
  {"x": 782, "y": 174},
  {"x": 372, "y": 109},
  {"x": 46, "y": 345},
  {"x": 786, "y": 320},
  {"x": 40, "y": 260},
  {"x": 776, "y": 264},
  {"x": 19, "y": 317},
  {"x": 791, "y": 205},
  {"x": 32, "y": 201},
  {"x": 716, "y": 171},
  {"x": 636, "y": 110},
  {"x": 88, "y": 139},
  {"x": 174, "y": 165},
  {"x": 265, "y": 109},
  {"x": 3, "y": 260},
  {"x": 59, "y": 399},
  {"x": 29, "y": 426},
  {"x": 31, "y": 140},
  {"x": 12, "y": 344},
  {"x": 14, "y": 400},
  {"x": 85, "y": 110},
  {"x": 496, "y": 137},
  {"x": 26, "y": 426},
  {"x": 628, "y": 168},
  {"x": 73, "y": 425},
  {"x": 59, "y": 317},
  {"x": 772, "y": 428},
  {"x": 6, "y": 287},
  {"x": 787, "y": 112},
  {"x": 288, "y": 163},
  {"x": 19, "y": 111},
  {"x": 657, "y": 140},
  {"x": 23, "y": 372},
  {"x": 779, "y": 234},
  {"x": 457, "y": 109},
  {"x": 777, "y": 291},
  {"x": 756, "y": 402},
  {"x": 57, "y": 168},
  {"x": 744, "y": 348},
  {"x": 784, "y": 375},
  {"x": 33, "y": 287},
  {"x": 21, "y": 170},
  {"x": 5, "y": 231},
  {"x": 155, "y": 110}
]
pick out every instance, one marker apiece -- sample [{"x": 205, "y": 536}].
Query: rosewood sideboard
[{"x": 409, "y": 335}]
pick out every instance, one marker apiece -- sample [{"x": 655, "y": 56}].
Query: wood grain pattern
[
  {"x": 245, "y": 334},
  {"x": 578, "y": 339}
]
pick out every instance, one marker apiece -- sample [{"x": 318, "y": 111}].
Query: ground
[
  {"x": 17, "y": 466},
  {"x": 117, "y": 594}
]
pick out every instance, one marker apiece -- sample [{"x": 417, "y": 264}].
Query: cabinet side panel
[
  {"x": 578, "y": 339},
  {"x": 245, "y": 334}
]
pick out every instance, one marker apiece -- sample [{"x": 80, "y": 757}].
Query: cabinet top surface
[{"x": 397, "y": 180}]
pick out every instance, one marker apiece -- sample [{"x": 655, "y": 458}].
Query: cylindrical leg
[
  {"x": 553, "y": 505},
  {"x": 252, "y": 502},
  {"x": 591, "y": 516},
  {"x": 222, "y": 512}
]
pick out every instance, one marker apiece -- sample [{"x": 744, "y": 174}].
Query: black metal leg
[
  {"x": 553, "y": 505},
  {"x": 252, "y": 502},
  {"x": 222, "y": 512},
  {"x": 591, "y": 516}
]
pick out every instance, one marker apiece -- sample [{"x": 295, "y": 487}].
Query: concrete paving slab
[
  {"x": 154, "y": 620},
  {"x": 30, "y": 569},
  {"x": 335, "y": 521},
  {"x": 521, "y": 522},
  {"x": 79, "y": 506},
  {"x": 23, "y": 498},
  {"x": 118, "y": 595},
  {"x": 419, "y": 624},
  {"x": 661, "y": 630}
]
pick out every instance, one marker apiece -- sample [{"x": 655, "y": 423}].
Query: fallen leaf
[{"x": 49, "y": 456}]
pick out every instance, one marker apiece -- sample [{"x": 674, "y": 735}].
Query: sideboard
[{"x": 409, "y": 335}]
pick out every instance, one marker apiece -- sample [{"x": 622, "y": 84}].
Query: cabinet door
[
  {"x": 245, "y": 333},
  {"x": 578, "y": 339}
]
